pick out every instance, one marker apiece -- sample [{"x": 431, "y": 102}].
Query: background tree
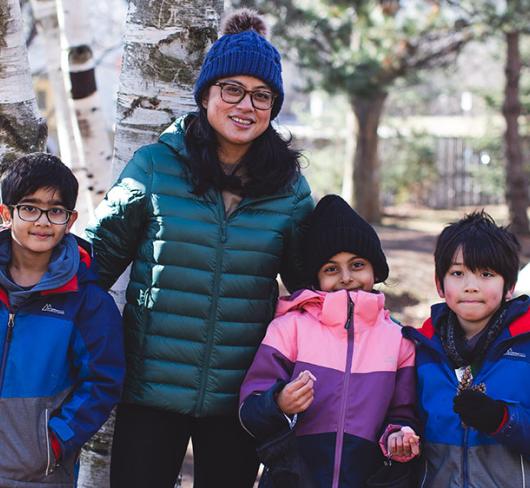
[
  {"x": 22, "y": 129},
  {"x": 511, "y": 19},
  {"x": 165, "y": 44},
  {"x": 47, "y": 25},
  {"x": 75, "y": 22},
  {"x": 360, "y": 48}
]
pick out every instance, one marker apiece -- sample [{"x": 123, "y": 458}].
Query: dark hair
[
  {"x": 270, "y": 164},
  {"x": 34, "y": 171},
  {"x": 484, "y": 244}
]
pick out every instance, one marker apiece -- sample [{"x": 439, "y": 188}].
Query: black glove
[{"x": 479, "y": 411}]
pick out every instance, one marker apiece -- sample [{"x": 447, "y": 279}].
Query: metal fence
[{"x": 465, "y": 176}]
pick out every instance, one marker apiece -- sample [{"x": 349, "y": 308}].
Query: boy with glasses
[{"x": 61, "y": 346}]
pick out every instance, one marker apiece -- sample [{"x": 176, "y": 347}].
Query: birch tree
[
  {"x": 165, "y": 44},
  {"x": 22, "y": 129},
  {"x": 46, "y": 20},
  {"x": 45, "y": 15},
  {"x": 78, "y": 60}
]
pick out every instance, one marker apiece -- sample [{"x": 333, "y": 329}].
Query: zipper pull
[
  {"x": 348, "y": 323},
  {"x": 10, "y": 327}
]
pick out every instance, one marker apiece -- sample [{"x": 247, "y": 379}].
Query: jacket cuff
[
  {"x": 260, "y": 415},
  {"x": 505, "y": 418}
]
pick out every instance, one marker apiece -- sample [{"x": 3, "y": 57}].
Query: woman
[{"x": 208, "y": 217}]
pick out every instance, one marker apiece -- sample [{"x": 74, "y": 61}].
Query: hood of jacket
[
  {"x": 70, "y": 265},
  {"x": 174, "y": 137},
  {"x": 331, "y": 308}
]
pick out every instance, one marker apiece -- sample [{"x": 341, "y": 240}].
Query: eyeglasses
[
  {"x": 260, "y": 99},
  {"x": 55, "y": 215}
]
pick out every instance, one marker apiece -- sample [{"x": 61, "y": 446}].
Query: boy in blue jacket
[
  {"x": 61, "y": 346},
  {"x": 473, "y": 362}
]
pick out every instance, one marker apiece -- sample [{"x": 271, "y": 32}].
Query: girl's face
[
  {"x": 236, "y": 125},
  {"x": 346, "y": 271}
]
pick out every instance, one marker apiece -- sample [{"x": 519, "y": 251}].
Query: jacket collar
[
  {"x": 517, "y": 320},
  {"x": 84, "y": 272},
  {"x": 331, "y": 309},
  {"x": 174, "y": 137}
]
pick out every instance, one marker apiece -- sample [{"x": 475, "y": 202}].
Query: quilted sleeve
[
  {"x": 291, "y": 270},
  {"x": 121, "y": 218}
]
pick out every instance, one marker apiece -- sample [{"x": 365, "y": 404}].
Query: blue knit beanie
[{"x": 243, "y": 50}]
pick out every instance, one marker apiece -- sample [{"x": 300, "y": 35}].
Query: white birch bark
[
  {"x": 22, "y": 129},
  {"x": 165, "y": 43},
  {"x": 74, "y": 20},
  {"x": 45, "y": 15}
]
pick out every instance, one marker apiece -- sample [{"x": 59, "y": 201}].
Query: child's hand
[
  {"x": 404, "y": 443},
  {"x": 297, "y": 395}
]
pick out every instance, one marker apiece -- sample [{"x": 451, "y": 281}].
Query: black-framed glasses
[
  {"x": 260, "y": 99},
  {"x": 55, "y": 215}
]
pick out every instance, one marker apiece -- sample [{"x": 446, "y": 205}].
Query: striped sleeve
[
  {"x": 270, "y": 371},
  {"x": 402, "y": 408}
]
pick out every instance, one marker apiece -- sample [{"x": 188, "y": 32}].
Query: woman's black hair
[{"x": 270, "y": 164}]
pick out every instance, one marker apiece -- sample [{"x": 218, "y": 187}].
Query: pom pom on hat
[
  {"x": 243, "y": 50},
  {"x": 243, "y": 20},
  {"x": 335, "y": 227}
]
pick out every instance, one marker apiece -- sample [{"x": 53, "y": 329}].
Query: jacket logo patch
[
  {"x": 49, "y": 308},
  {"x": 515, "y": 354}
]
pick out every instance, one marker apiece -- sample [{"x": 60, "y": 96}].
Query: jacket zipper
[
  {"x": 49, "y": 467},
  {"x": 342, "y": 415},
  {"x": 7, "y": 342},
  {"x": 213, "y": 313},
  {"x": 424, "y": 476},
  {"x": 522, "y": 472},
  {"x": 465, "y": 479}
]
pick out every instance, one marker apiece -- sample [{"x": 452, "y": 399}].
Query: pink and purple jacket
[{"x": 330, "y": 334}]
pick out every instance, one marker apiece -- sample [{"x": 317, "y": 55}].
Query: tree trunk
[
  {"x": 349, "y": 153},
  {"x": 45, "y": 15},
  {"x": 516, "y": 178},
  {"x": 366, "y": 166},
  {"x": 22, "y": 129},
  {"x": 46, "y": 19},
  {"x": 165, "y": 43},
  {"x": 94, "y": 470},
  {"x": 74, "y": 19}
]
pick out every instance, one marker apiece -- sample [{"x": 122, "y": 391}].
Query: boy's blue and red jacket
[
  {"x": 456, "y": 456},
  {"x": 61, "y": 371}
]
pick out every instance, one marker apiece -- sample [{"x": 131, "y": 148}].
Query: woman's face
[{"x": 237, "y": 125}]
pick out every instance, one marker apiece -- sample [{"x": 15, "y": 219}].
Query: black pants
[{"x": 149, "y": 447}]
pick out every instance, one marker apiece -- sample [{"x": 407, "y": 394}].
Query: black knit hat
[{"x": 335, "y": 227}]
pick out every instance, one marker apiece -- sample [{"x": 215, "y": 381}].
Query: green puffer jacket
[{"x": 203, "y": 285}]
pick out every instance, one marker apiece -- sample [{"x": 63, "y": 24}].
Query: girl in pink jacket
[{"x": 333, "y": 367}]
